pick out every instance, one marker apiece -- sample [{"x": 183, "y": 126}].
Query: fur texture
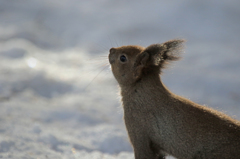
[{"x": 159, "y": 122}]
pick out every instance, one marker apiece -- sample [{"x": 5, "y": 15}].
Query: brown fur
[{"x": 159, "y": 122}]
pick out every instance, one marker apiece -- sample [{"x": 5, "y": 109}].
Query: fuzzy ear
[
  {"x": 168, "y": 51},
  {"x": 140, "y": 63}
]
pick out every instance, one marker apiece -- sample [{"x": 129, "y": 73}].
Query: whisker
[
  {"x": 98, "y": 60},
  {"x": 116, "y": 42},
  {"x": 103, "y": 56},
  {"x": 105, "y": 66},
  {"x": 102, "y": 47},
  {"x": 97, "y": 63},
  {"x": 110, "y": 40}
]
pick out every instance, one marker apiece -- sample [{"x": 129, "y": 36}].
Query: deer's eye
[{"x": 123, "y": 58}]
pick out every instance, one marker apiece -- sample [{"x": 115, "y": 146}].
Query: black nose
[{"x": 111, "y": 56}]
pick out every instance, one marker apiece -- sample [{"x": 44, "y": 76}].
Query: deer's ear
[
  {"x": 168, "y": 51},
  {"x": 141, "y": 62}
]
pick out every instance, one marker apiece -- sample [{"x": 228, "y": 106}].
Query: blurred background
[{"x": 58, "y": 98}]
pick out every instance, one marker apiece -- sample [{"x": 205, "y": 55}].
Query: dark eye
[{"x": 123, "y": 58}]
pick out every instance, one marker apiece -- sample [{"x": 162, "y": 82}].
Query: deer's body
[{"x": 159, "y": 122}]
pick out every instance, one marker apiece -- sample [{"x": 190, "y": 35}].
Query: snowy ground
[{"x": 58, "y": 98}]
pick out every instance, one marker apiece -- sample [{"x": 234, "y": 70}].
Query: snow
[{"x": 58, "y": 98}]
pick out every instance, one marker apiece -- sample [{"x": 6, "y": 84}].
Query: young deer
[{"x": 159, "y": 122}]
